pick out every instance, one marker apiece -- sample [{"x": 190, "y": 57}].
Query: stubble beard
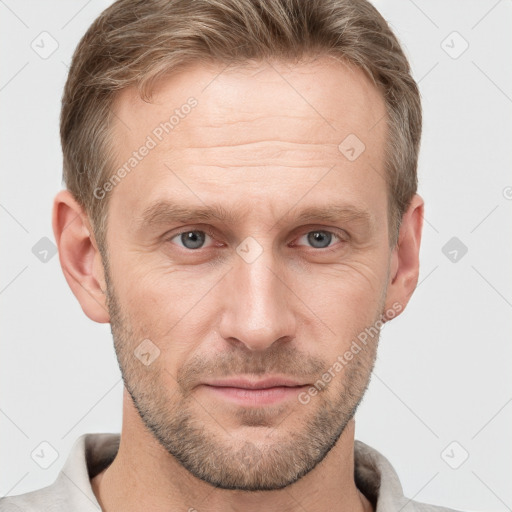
[{"x": 205, "y": 449}]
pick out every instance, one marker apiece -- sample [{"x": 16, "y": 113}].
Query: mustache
[{"x": 283, "y": 360}]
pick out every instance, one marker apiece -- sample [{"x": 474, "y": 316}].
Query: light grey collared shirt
[{"x": 91, "y": 453}]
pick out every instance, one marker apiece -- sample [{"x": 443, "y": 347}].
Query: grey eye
[
  {"x": 319, "y": 239},
  {"x": 192, "y": 239}
]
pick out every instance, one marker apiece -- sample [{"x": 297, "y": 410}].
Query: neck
[{"x": 144, "y": 475}]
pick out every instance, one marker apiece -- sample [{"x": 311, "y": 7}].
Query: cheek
[
  {"x": 148, "y": 290},
  {"x": 347, "y": 297},
  {"x": 166, "y": 305},
  {"x": 357, "y": 283}
]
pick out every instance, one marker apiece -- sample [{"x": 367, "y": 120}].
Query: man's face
[{"x": 267, "y": 286}]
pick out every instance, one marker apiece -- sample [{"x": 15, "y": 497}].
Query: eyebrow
[
  {"x": 335, "y": 213},
  {"x": 166, "y": 212}
]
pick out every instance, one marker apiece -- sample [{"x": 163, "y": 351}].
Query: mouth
[{"x": 251, "y": 393}]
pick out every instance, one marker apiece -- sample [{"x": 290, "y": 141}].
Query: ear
[
  {"x": 79, "y": 256},
  {"x": 405, "y": 261}
]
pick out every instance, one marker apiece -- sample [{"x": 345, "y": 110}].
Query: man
[{"x": 241, "y": 207}]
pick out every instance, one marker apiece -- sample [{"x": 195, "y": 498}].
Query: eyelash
[{"x": 211, "y": 235}]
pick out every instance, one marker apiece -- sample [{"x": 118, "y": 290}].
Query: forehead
[
  {"x": 271, "y": 123},
  {"x": 325, "y": 93}
]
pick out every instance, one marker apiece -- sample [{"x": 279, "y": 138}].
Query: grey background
[{"x": 443, "y": 371}]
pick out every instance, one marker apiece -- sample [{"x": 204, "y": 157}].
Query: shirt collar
[{"x": 374, "y": 476}]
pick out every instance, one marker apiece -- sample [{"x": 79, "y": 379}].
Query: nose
[{"x": 257, "y": 304}]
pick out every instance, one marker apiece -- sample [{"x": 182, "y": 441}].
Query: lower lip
[{"x": 255, "y": 397}]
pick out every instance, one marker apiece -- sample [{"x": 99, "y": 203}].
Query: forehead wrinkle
[{"x": 261, "y": 153}]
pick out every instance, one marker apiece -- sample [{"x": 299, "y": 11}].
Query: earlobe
[
  {"x": 404, "y": 265},
  {"x": 79, "y": 256}
]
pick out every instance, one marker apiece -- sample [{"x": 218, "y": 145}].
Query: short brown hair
[{"x": 135, "y": 42}]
